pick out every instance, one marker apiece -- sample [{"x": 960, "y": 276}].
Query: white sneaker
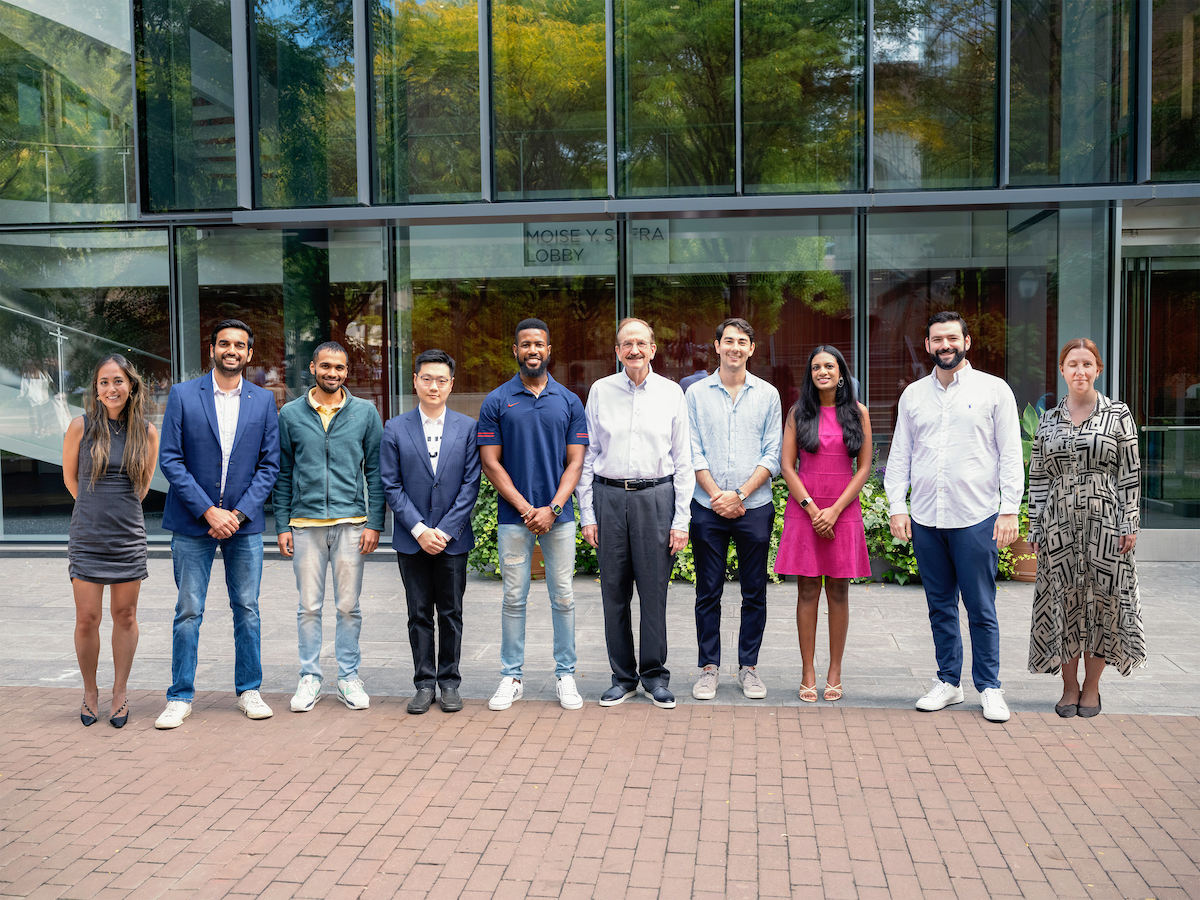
[
  {"x": 510, "y": 690},
  {"x": 568, "y": 693},
  {"x": 251, "y": 703},
  {"x": 174, "y": 714},
  {"x": 943, "y": 694},
  {"x": 994, "y": 707},
  {"x": 308, "y": 692},
  {"x": 353, "y": 694},
  {"x": 752, "y": 685},
  {"x": 705, "y": 687}
]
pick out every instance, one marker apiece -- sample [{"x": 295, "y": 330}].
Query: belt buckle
[{"x": 628, "y": 482}]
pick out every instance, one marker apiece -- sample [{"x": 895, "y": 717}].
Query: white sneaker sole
[
  {"x": 755, "y": 693},
  {"x": 953, "y": 701},
  {"x": 704, "y": 695},
  {"x": 302, "y": 708},
  {"x": 167, "y": 726},
  {"x": 257, "y": 714},
  {"x": 350, "y": 705},
  {"x": 574, "y": 703},
  {"x": 500, "y": 705},
  {"x": 619, "y": 700}
]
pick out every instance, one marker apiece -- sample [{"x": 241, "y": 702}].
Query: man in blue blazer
[
  {"x": 220, "y": 455},
  {"x": 429, "y": 463}
]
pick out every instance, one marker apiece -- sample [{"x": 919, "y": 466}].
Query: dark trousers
[
  {"x": 634, "y": 529},
  {"x": 434, "y": 583},
  {"x": 954, "y": 560},
  {"x": 751, "y": 536}
]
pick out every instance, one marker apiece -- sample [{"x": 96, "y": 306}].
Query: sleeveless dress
[
  {"x": 825, "y": 475},
  {"x": 108, "y": 533}
]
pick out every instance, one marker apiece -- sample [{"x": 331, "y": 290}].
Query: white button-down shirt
[
  {"x": 638, "y": 431},
  {"x": 229, "y": 404},
  {"x": 433, "y": 440},
  {"x": 959, "y": 447},
  {"x": 732, "y": 438}
]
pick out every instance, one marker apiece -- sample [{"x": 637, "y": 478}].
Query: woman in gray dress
[{"x": 108, "y": 459}]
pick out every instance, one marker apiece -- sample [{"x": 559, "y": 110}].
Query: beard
[
  {"x": 951, "y": 362},
  {"x": 529, "y": 372},
  {"x": 230, "y": 368}
]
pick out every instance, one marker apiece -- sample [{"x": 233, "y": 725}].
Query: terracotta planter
[
  {"x": 537, "y": 563},
  {"x": 1025, "y": 569}
]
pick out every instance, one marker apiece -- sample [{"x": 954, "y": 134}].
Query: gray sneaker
[
  {"x": 705, "y": 687},
  {"x": 752, "y": 685}
]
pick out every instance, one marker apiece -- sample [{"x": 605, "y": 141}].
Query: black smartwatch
[
  {"x": 242, "y": 518},
  {"x": 556, "y": 509}
]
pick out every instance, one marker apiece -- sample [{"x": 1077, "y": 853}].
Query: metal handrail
[{"x": 1171, "y": 428}]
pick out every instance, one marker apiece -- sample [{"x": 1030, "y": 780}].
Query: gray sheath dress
[{"x": 108, "y": 533}]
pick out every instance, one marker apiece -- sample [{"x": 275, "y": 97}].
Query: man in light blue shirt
[{"x": 735, "y": 420}]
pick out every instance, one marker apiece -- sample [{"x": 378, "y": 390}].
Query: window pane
[
  {"x": 548, "y": 99},
  {"x": 935, "y": 94},
  {"x": 675, "y": 97},
  {"x": 68, "y": 301},
  {"x": 1175, "y": 104},
  {"x": 185, "y": 100},
  {"x": 66, "y": 150},
  {"x": 426, "y": 100},
  {"x": 1026, "y": 281},
  {"x": 791, "y": 278},
  {"x": 304, "y": 103},
  {"x": 464, "y": 289},
  {"x": 1070, "y": 92},
  {"x": 802, "y": 95}
]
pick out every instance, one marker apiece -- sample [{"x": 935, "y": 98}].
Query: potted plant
[{"x": 1020, "y": 563}]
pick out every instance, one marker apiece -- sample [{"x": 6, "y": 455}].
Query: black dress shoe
[
  {"x": 450, "y": 701},
  {"x": 119, "y": 721},
  {"x": 1088, "y": 711},
  {"x": 89, "y": 717},
  {"x": 616, "y": 694},
  {"x": 662, "y": 698},
  {"x": 421, "y": 702}
]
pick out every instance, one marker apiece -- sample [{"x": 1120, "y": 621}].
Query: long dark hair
[
  {"x": 138, "y": 463},
  {"x": 807, "y": 410}
]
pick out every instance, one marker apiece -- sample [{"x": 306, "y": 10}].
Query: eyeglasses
[
  {"x": 640, "y": 345},
  {"x": 429, "y": 380}
]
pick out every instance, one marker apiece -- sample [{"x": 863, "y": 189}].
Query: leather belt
[{"x": 633, "y": 484}]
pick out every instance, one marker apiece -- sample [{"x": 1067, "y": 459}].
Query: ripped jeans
[{"x": 515, "y": 545}]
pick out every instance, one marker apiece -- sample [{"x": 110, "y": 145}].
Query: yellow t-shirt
[{"x": 326, "y": 413}]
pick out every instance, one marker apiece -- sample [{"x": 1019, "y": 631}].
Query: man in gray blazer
[{"x": 429, "y": 463}]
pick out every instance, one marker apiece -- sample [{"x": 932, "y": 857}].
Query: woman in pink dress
[{"x": 828, "y": 432}]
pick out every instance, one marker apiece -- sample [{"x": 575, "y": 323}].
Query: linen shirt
[
  {"x": 229, "y": 404},
  {"x": 638, "y": 431},
  {"x": 960, "y": 449},
  {"x": 732, "y": 438},
  {"x": 433, "y": 440}
]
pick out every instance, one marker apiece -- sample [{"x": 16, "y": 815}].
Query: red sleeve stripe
[{"x": 486, "y": 434}]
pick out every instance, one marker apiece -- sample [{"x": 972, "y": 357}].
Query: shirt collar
[
  {"x": 312, "y": 400},
  {"x": 236, "y": 392},
  {"x": 959, "y": 376},
  {"x": 517, "y": 386},
  {"x": 715, "y": 379},
  {"x": 425, "y": 420},
  {"x": 1102, "y": 402},
  {"x": 629, "y": 381}
]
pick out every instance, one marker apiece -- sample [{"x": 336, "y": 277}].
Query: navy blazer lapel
[
  {"x": 208, "y": 400},
  {"x": 416, "y": 431},
  {"x": 247, "y": 398}
]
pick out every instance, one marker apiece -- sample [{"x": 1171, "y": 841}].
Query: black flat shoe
[
  {"x": 88, "y": 718},
  {"x": 119, "y": 721},
  {"x": 421, "y": 702},
  {"x": 1066, "y": 710},
  {"x": 1088, "y": 711},
  {"x": 450, "y": 701}
]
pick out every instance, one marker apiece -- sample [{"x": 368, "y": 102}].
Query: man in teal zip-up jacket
[{"x": 329, "y": 512}]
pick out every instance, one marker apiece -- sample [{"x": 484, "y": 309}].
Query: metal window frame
[
  {"x": 1145, "y": 50},
  {"x": 362, "y": 103},
  {"x": 738, "y": 145},
  {"x": 486, "y": 163},
  {"x": 868, "y": 90},
  {"x": 243, "y": 109},
  {"x": 1004, "y": 91}
]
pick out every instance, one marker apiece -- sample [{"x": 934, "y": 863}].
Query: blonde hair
[{"x": 137, "y": 462}]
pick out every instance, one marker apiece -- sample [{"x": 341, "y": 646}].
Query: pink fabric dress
[{"x": 825, "y": 474}]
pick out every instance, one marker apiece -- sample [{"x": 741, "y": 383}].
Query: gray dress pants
[{"x": 634, "y": 532}]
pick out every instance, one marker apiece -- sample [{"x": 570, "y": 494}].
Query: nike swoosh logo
[{"x": 511, "y": 405}]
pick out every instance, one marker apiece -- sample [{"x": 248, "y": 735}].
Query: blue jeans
[
  {"x": 192, "y": 558},
  {"x": 316, "y": 549},
  {"x": 954, "y": 561},
  {"x": 515, "y": 545}
]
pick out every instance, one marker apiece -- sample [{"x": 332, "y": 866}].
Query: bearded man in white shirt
[
  {"x": 635, "y": 494},
  {"x": 957, "y": 442}
]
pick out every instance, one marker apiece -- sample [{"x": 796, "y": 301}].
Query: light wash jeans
[
  {"x": 317, "y": 548},
  {"x": 515, "y": 545},
  {"x": 192, "y": 558}
]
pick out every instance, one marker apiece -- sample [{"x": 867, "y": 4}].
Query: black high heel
[
  {"x": 89, "y": 718},
  {"x": 119, "y": 721}
]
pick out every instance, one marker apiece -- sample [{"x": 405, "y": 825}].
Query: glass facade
[{"x": 833, "y": 170}]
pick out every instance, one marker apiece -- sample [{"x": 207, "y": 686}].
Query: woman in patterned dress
[{"x": 1083, "y": 514}]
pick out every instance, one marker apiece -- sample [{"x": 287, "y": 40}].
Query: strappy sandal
[
  {"x": 833, "y": 692},
  {"x": 118, "y": 721},
  {"x": 89, "y": 717},
  {"x": 808, "y": 694}
]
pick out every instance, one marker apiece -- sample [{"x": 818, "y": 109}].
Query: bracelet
[{"x": 525, "y": 515}]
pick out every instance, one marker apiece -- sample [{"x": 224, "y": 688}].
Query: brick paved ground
[{"x": 701, "y": 801}]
